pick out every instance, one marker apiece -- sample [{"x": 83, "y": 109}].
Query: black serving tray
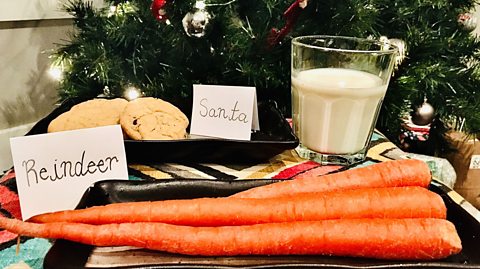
[
  {"x": 274, "y": 137},
  {"x": 69, "y": 255}
]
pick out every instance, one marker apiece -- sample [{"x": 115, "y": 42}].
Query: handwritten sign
[
  {"x": 54, "y": 170},
  {"x": 224, "y": 111},
  {"x": 475, "y": 162}
]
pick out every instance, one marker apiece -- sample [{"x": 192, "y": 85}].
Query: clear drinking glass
[{"x": 338, "y": 85}]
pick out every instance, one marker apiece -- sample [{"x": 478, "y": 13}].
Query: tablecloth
[{"x": 287, "y": 165}]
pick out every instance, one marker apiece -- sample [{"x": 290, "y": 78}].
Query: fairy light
[
  {"x": 132, "y": 92},
  {"x": 55, "y": 72},
  {"x": 200, "y": 5},
  {"x": 111, "y": 11}
]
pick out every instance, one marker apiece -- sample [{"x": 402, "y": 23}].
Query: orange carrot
[
  {"x": 375, "y": 238},
  {"x": 396, "y": 173},
  {"x": 406, "y": 202}
]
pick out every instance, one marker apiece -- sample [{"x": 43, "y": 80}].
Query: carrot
[
  {"x": 396, "y": 173},
  {"x": 375, "y": 238},
  {"x": 406, "y": 202}
]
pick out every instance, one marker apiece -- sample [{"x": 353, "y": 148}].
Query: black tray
[
  {"x": 68, "y": 255},
  {"x": 274, "y": 137}
]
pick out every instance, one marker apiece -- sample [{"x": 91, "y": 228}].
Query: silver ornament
[
  {"x": 467, "y": 21},
  {"x": 197, "y": 23},
  {"x": 423, "y": 114}
]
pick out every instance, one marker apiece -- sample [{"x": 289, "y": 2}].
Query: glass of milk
[{"x": 338, "y": 85}]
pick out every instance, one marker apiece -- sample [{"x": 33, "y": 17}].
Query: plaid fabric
[{"x": 283, "y": 166}]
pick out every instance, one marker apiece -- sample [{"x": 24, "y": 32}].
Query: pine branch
[{"x": 130, "y": 47}]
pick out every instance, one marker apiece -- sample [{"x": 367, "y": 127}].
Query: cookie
[
  {"x": 151, "y": 118},
  {"x": 89, "y": 114}
]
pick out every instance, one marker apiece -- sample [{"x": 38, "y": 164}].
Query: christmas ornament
[
  {"x": 120, "y": 9},
  {"x": 423, "y": 114},
  {"x": 291, "y": 15},
  {"x": 467, "y": 21},
  {"x": 197, "y": 23},
  {"x": 158, "y": 10}
]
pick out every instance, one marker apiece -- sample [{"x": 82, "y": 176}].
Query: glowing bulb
[
  {"x": 200, "y": 4},
  {"x": 132, "y": 92},
  {"x": 112, "y": 10},
  {"x": 55, "y": 72}
]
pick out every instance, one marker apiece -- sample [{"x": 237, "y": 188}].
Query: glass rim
[{"x": 392, "y": 48}]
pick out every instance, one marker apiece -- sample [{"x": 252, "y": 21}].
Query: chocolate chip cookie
[
  {"x": 151, "y": 118},
  {"x": 89, "y": 114}
]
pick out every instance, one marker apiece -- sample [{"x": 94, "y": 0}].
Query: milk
[{"x": 335, "y": 109}]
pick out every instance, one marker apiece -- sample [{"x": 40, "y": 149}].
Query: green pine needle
[{"x": 130, "y": 47}]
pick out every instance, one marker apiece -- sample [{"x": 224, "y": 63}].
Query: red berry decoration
[{"x": 158, "y": 10}]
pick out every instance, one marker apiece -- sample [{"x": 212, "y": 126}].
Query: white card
[
  {"x": 475, "y": 162},
  {"x": 229, "y": 112},
  {"x": 54, "y": 170}
]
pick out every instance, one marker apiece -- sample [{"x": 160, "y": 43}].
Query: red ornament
[{"x": 158, "y": 10}]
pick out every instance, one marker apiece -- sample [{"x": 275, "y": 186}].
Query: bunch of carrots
[{"x": 382, "y": 211}]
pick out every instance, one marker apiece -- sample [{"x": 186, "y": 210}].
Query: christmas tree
[{"x": 163, "y": 47}]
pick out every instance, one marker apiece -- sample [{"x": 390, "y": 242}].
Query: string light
[
  {"x": 200, "y": 4},
  {"x": 55, "y": 72},
  {"x": 215, "y": 5},
  {"x": 111, "y": 11},
  {"x": 132, "y": 92}
]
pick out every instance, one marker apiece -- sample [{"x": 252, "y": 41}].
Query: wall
[
  {"x": 27, "y": 92},
  {"x": 476, "y": 14},
  {"x": 29, "y": 31}
]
